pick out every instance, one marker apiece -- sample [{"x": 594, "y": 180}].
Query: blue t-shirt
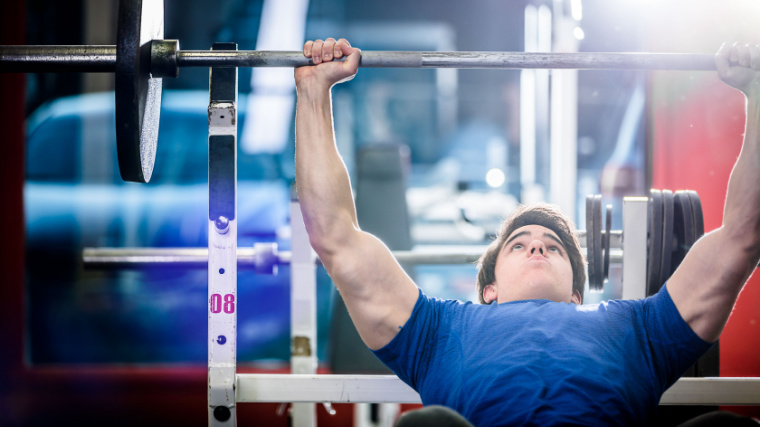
[{"x": 539, "y": 362}]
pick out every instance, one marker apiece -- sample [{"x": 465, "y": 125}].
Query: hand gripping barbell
[{"x": 141, "y": 58}]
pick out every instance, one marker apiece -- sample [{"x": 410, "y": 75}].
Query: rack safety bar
[
  {"x": 390, "y": 389},
  {"x": 125, "y": 258}
]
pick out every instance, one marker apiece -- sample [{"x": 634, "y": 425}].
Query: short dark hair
[{"x": 542, "y": 214}]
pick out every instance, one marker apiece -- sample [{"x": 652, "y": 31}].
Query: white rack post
[
  {"x": 303, "y": 310},
  {"x": 222, "y": 244},
  {"x": 635, "y": 247}
]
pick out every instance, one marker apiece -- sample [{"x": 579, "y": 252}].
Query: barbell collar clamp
[{"x": 163, "y": 58}]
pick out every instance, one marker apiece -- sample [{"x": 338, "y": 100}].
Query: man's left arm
[{"x": 706, "y": 285}]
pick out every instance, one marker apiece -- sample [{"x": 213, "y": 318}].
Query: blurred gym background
[{"x": 466, "y": 146}]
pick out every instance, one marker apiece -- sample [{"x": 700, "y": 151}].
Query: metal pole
[
  {"x": 507, "y": 60},
  {"x": 103, "y": 59},
  {"x": 48, "y": 59},
  {"x": 126, "y": 258},
  {"x": 246, "y": 257}
]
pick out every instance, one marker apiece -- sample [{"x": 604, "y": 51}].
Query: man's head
[{"x": 534, "y": 256}]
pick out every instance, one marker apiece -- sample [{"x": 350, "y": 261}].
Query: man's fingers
[
  {"x": 339, "y": 45},
  {"x": 734, "y": 54},
  {"x": 307, "y": 48},
  {"x": 754, "y": 57},
  {"x": 747, "y": 56},
  {"x": 354, "y": 55},
  {"x": 722, "y": 58},
  {"x": 342, "y": 47},
  {"x": 327, "y": 49},
  {"x": 316, "y": 51},
  {"x": 743, "y": 54}
]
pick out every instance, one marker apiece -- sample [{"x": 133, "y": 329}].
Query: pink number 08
[{"x": 229, "y": 303}]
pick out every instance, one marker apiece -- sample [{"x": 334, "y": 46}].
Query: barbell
[{"x": 141, "y": 58}]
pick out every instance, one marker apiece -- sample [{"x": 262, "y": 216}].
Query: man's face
[{"x": 532, "y": 264}]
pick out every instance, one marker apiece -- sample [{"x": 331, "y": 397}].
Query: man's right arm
[
  {"x": 379, "y": 296},
  {"x": 706, "y": 285}
]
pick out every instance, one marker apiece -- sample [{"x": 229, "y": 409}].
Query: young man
[{"x": 535, "y": 356}]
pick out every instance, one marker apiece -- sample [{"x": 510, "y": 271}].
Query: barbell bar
[
  {"x": 141, "y": 58},
  {"x": 166, "y": 63},
  {"x": 65, "y": 58}
]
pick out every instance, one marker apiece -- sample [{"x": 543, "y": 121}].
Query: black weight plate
[
  {"x": 679, "y": 227},
  {"x": 654, "y": 247},
  {"x": 591, "y": 248},
  {"x": 689, "y": 227},
  {"x": 598, "y": 243},
  {"x": 594, "y": 242},
  {"x": 696, "y": 211},
  {"x": 667, "y": 235},
  {"x": 138, "y": 96},
  {"x": 688, "y": 223},
  {"x": 606, "y": 242}
]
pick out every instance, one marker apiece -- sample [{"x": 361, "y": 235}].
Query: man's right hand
[
  {"x": 739, "y": 67},
  {"x": 325, "y": 72}
]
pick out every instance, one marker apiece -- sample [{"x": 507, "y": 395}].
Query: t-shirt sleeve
[
  {"x": 674, "y": 346},
  {"x": 409, "y": 353}
]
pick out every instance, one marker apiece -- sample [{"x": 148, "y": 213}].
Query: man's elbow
[
  {"x": 728, "y": 257},
  {"x": 328, "y": 233},
  {"x": 332, "y": 246},
  {"x": 743, "y": 246}
]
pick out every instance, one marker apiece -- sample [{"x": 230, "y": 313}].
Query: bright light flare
[
  {"x": 576, "y": 9},
  {"x": 495, "y": 178},
  {"x": 578, "y": 33}
]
